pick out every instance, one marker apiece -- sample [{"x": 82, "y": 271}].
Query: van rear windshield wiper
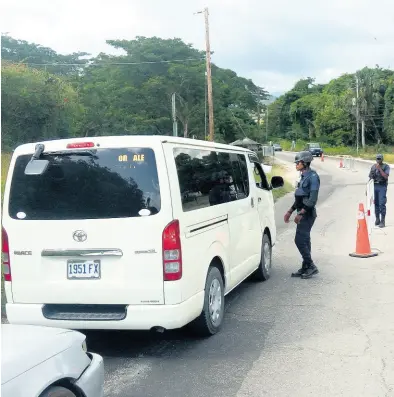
[
  {"x": 72, "y": 153},
  {"x": 37, "y": 166},
  {"x": 40, "y": 152}
]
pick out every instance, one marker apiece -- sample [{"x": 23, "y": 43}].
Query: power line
[
  {"x": 239, "y": 125},
  {"x": 112, "y": 63}
]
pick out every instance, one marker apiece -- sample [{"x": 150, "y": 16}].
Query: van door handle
[{"x": 252, "y": 202}]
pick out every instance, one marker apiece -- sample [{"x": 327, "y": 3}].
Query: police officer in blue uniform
[
  {"x": 380, "y": 174},
  {"x": 306, "y": 196}
]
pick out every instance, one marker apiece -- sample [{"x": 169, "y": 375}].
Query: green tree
[
  {"x": 21, "y": 51},
  {"x": 35, "y": 105},
  {"x": 328, "y": 112}
]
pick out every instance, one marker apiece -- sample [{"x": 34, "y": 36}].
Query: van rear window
[{"x": 94, "y": 184}]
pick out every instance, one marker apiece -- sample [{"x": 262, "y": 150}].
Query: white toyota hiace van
[{"x": 133, "y": 232}]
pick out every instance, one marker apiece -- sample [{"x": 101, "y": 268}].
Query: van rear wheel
[
  {"x": 211, "y": 318},
  {"x": 264, "y": 270}
]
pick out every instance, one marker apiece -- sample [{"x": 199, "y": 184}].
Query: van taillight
[
  {"x": 5, "y": 255},
  {"x": 172, "y": 252}
]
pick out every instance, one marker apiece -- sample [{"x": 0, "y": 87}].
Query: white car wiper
[
  {"x": 72, "y": 153},
  {"x": 37, "y": 166}
]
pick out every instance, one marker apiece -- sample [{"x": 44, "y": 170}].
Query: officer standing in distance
[
  {"x": 306, "y": 196},
  {"x": 380, "y": 174}
]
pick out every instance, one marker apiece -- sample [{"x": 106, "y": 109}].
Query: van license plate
[{"x": 77, "y": 269}]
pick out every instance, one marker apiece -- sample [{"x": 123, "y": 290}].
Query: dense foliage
[
  {"x": 47, "y": 95},
  {"x": 117, "y": 95},
  {"x": 327, "y": 113}
]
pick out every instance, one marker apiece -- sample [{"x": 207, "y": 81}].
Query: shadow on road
[{"x": 138, "y": 344}]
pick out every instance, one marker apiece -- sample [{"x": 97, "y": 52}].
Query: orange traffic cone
[
  {"x": 322, "y": 157},
  {"x": 341, "y": 163},
  {"x": 363, "y": 248}
]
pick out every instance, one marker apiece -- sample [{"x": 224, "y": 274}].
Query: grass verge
[
  {"x": 279, "y": 170},
  {"x": 5, "y": 161},
  {"x": 368, "y": 153}
]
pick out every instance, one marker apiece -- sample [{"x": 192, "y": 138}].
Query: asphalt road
[{"x": 332, "y": 335}]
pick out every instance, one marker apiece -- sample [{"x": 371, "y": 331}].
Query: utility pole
[
  {"x": 205, "y": 106},
  {"x": 357, "y": 112},
  {"x": 174, "y": 122},
  {"x": 209, "y": 75},
  {"x": 266, "y": 127}
]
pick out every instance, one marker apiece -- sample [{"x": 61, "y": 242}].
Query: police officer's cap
[
  {"x": 305, "y": 157},
  {"x": 379, "y": 156}
]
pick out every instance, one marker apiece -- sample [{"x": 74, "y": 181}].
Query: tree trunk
[
  {"x": 185, "y": 132},
  {"x": 363, "y": 133},
  {"x": 311, "y": 132}
]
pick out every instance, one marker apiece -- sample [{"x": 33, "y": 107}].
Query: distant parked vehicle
[
  {"x": 48, "y": 362},
  {"x": 315, "y": 149},
  {"x": 277, "y": 147}
]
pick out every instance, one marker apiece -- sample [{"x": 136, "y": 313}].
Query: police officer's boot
[
  {"x": 377, "y": 220},
  {"x": 299, "y": 272},
  {"x": 382, "y": 222},
  {"x": 310, "y": 271}
]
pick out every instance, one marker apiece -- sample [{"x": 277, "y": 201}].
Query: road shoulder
[{"x": 332, "y": 335}]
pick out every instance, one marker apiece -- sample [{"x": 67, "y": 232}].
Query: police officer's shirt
[
  {"x": 309, "y": 182},
  {"x": 377, "y": 176}
]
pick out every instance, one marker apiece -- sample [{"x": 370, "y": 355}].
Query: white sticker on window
[
  {"x": 144, "y": 212},
  {"x": 21, "y": 215}
]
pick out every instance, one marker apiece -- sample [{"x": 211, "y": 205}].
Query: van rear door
[{"x": 89, "y": 229}]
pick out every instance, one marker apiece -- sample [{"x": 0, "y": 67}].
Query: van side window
[
  {"x": 260, "y": 177},
  {"x": 208, "y": 178},
  {"x": 230, "y": 163},
  {"x": 243, "y": 168}
]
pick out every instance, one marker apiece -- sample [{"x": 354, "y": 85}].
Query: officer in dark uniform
[
  {"x": 306, "y": 196},
  {"x": 380, "y": 174}
]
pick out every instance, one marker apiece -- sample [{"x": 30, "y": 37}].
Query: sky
[{"x": 275, "y": 43}]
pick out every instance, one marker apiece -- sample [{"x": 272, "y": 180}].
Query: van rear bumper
[{"x": 139, "y": 317}]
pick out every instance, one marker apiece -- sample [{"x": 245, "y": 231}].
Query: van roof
[{"x": 124, "y": 140}]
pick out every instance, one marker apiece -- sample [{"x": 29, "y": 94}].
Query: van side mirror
[
  {"x": 36, "y": 167},
  {"x": 277, "y": 182}
]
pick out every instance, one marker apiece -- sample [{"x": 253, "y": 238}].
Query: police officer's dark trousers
[
  {"x": 303, "y": 238},
  {"x": 380, "y": 200}
]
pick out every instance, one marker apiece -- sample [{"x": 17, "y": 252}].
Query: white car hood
[{"x": 26, "y": 346}]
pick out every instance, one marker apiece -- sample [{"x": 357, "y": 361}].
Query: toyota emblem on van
[{"x": 80, "y": 236}]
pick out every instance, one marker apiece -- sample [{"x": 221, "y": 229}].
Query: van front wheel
[
  {"x": 263, "y": 272},
  {"x": 210, "y": 320}
]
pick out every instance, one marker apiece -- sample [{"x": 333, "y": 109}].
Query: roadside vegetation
[
  {"x": 5, "y": 161},
  {"x": 127, "y": 94},
  {"x": 368, "y": 153},
  {"x": 329, "y": 114},
  {"x": 279, "y": 170},
  {"x": 62, "y": 96}
]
